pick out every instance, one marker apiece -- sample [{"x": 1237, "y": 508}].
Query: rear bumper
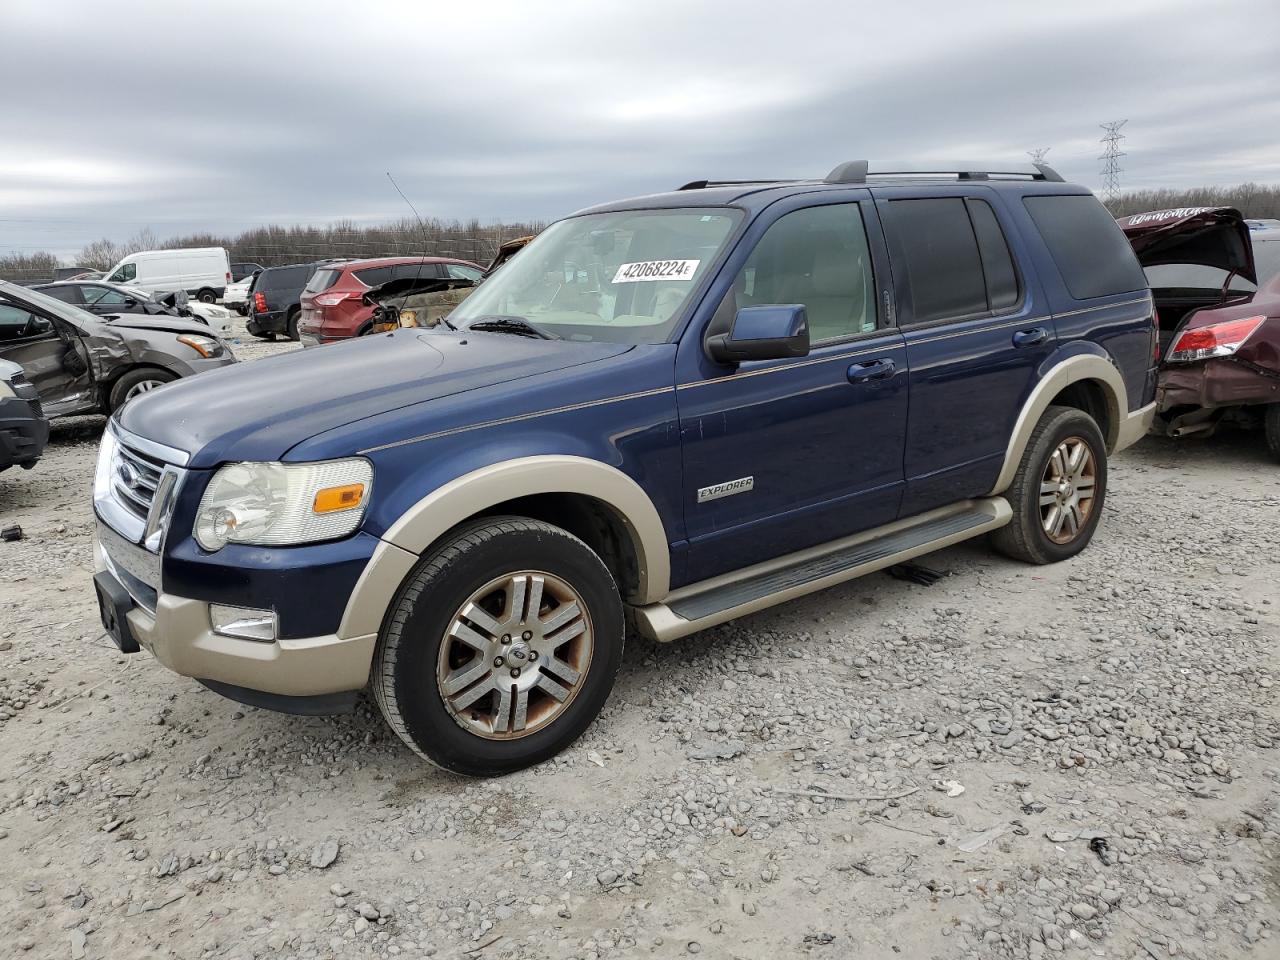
[
  {"x": 1135, "y": 426},
  {"x": 1224, "y": 382},
  {"x": 272, "y": 322}
]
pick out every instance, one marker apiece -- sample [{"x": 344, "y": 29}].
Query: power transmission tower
[
  {"x": 1038, "y": 154},
  {"x": 1111, "y": 158}
]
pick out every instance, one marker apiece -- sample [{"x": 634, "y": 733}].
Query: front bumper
[
  {"x": 312, "y": 674},
  {"x": 23, "y": 432}
]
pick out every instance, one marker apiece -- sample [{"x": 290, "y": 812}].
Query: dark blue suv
[{"x": 676, "y": 410}]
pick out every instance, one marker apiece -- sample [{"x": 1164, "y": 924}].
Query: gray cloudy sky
[{"x": 223, "y": 115}]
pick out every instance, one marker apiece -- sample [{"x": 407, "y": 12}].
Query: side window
[
  {"x": 1090, "y": 250},
  {"x": 943, "y": 267},
  {"x": 104, "y": 296},
  {"x": 18, "y": 323},
  {"x": 457, "y": 271},
  {"x": 997, "y": 263},
  {"x": 128, "y": 272},
  {"x": 65, "y": 294},
  {"x": 374, "y": 276},
  {"x": 818, "y": 257},
  {"x": 406, "y": 271}
]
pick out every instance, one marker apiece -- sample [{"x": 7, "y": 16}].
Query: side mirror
[
  {"x": 130, "y": 302},
  {"x": 773, "y": 332}
]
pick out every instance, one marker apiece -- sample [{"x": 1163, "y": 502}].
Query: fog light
[{"x": 243, "y": 622}]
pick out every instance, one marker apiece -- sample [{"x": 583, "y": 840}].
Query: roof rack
[
  {"x": 703, "y": 184},
  {"x": 857, "y": 171}
]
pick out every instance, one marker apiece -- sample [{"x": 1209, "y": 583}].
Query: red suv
[{"x": 333, "y": 306}]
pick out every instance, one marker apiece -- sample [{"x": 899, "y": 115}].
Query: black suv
[{"x": 274, "y": 299}]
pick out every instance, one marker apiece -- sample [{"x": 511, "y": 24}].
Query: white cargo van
[{"x": 203, "y": 272}]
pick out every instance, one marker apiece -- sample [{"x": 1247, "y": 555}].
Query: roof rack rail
[
  {"x": 857, "y": 171},
  {"x": 703, "y": 184}
]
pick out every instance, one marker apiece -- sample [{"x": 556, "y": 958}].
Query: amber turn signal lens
[{"x": 332, "y": 499}]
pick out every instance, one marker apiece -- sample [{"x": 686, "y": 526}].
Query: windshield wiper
[{"x": 516, "y": 325}]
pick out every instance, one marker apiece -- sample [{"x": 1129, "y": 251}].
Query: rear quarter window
[
  {"x": 1087, "y": 246},
  {"x": 322, "y": 280},
  {"x": 373, "y": 276}
]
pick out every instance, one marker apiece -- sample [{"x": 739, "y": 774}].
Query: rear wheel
[
  {"x": 1059, "y": 489},
  {"x": 207, "y": 296},
  {"x": 501, "y": 648},
  {"x": 136, "y": 382},
  {"x": 1271, "y": 425},
  {"x": 292, "y": 324}
]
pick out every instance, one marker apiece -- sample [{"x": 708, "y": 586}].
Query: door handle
[
  {"x": 1030, "y": 338},
  {"x": 872, "y": 370}
]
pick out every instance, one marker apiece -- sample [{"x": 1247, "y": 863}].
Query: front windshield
[{"x": 616, "y": 277}]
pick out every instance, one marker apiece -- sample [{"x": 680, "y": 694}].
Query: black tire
[
  {"x": 1271, "y": 427},
  {"x": 292, "y": 323},
  {"x": 207, "y": 296},
  {"x": 1025, "y": 537},
  {"x": 133, "y": 378},
  {"x": 405, "y": 682}
]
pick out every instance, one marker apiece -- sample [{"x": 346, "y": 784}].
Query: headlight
[
  {"x": 279, "y": 504},
  {"x": 205, "y": 346},
  {"x": 6, "y": 390}
]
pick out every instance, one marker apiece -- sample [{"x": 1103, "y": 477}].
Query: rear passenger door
[{"x": 976, "y": 329}]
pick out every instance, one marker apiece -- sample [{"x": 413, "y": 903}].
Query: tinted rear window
[
  {"x": 942, "y": 261},
  {"x": 322, "y": 280},
  {"x": 282, "y": 279},
  {"x": 1090, "y": 250}
]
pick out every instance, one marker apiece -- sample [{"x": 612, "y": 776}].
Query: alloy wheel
[
  {"x": 1067, "y": 490},
  {"x": 141, "y": 387},
  {"x": 515, "y": 655}
]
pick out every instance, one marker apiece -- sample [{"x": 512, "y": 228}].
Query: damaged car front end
[{"x": 1216, "y": 286}]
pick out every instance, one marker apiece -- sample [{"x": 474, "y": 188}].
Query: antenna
[
  {"x": 1037, "y": 155},
  {"x": 422, "y": 227},
  {"x": 1111, "y": 158}
]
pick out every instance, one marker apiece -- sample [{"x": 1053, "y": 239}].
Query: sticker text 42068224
[{"x": 656, "y": 270}]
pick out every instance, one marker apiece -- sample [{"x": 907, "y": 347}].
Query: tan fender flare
[
  {"x": 1069, "y": 371},
  {"x": 444, "y": 508}
]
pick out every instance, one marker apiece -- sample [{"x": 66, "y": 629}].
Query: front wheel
[
  {"x": 137, "y": 382},
  {"x": 1059, "y": 489},
  {"x": 1271, "y": 425},
  {"x": 501, "y": 647}
]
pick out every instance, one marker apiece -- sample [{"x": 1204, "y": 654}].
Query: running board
[{"x": 736, "y": 594}]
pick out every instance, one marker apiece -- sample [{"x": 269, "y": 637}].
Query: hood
[
  {"x": 157, "y": 321},
  {"x": 1209, "y": 236},
  {"x": 259, "y": 410}
]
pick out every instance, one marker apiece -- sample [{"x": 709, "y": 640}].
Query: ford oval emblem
[{"x": 129, "y": 475}]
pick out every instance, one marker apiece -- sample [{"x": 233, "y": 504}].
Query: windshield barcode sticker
[{"x": 656, "y": 270}]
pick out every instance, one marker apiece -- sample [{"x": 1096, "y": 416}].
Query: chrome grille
[
  {"x": 135, "y": 486},
  {"x": 135, "y": 480}
]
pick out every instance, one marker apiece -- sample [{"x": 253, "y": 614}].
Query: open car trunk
[{"x": 1195, "y": 258}]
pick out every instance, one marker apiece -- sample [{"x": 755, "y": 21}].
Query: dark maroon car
[{"x": 1219, "y": 317}]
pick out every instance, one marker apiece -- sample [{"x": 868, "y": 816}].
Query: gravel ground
[{"x": 1014, "y": 762}]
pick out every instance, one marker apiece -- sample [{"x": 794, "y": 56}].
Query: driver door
[{"x": 52, "y": 357}]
